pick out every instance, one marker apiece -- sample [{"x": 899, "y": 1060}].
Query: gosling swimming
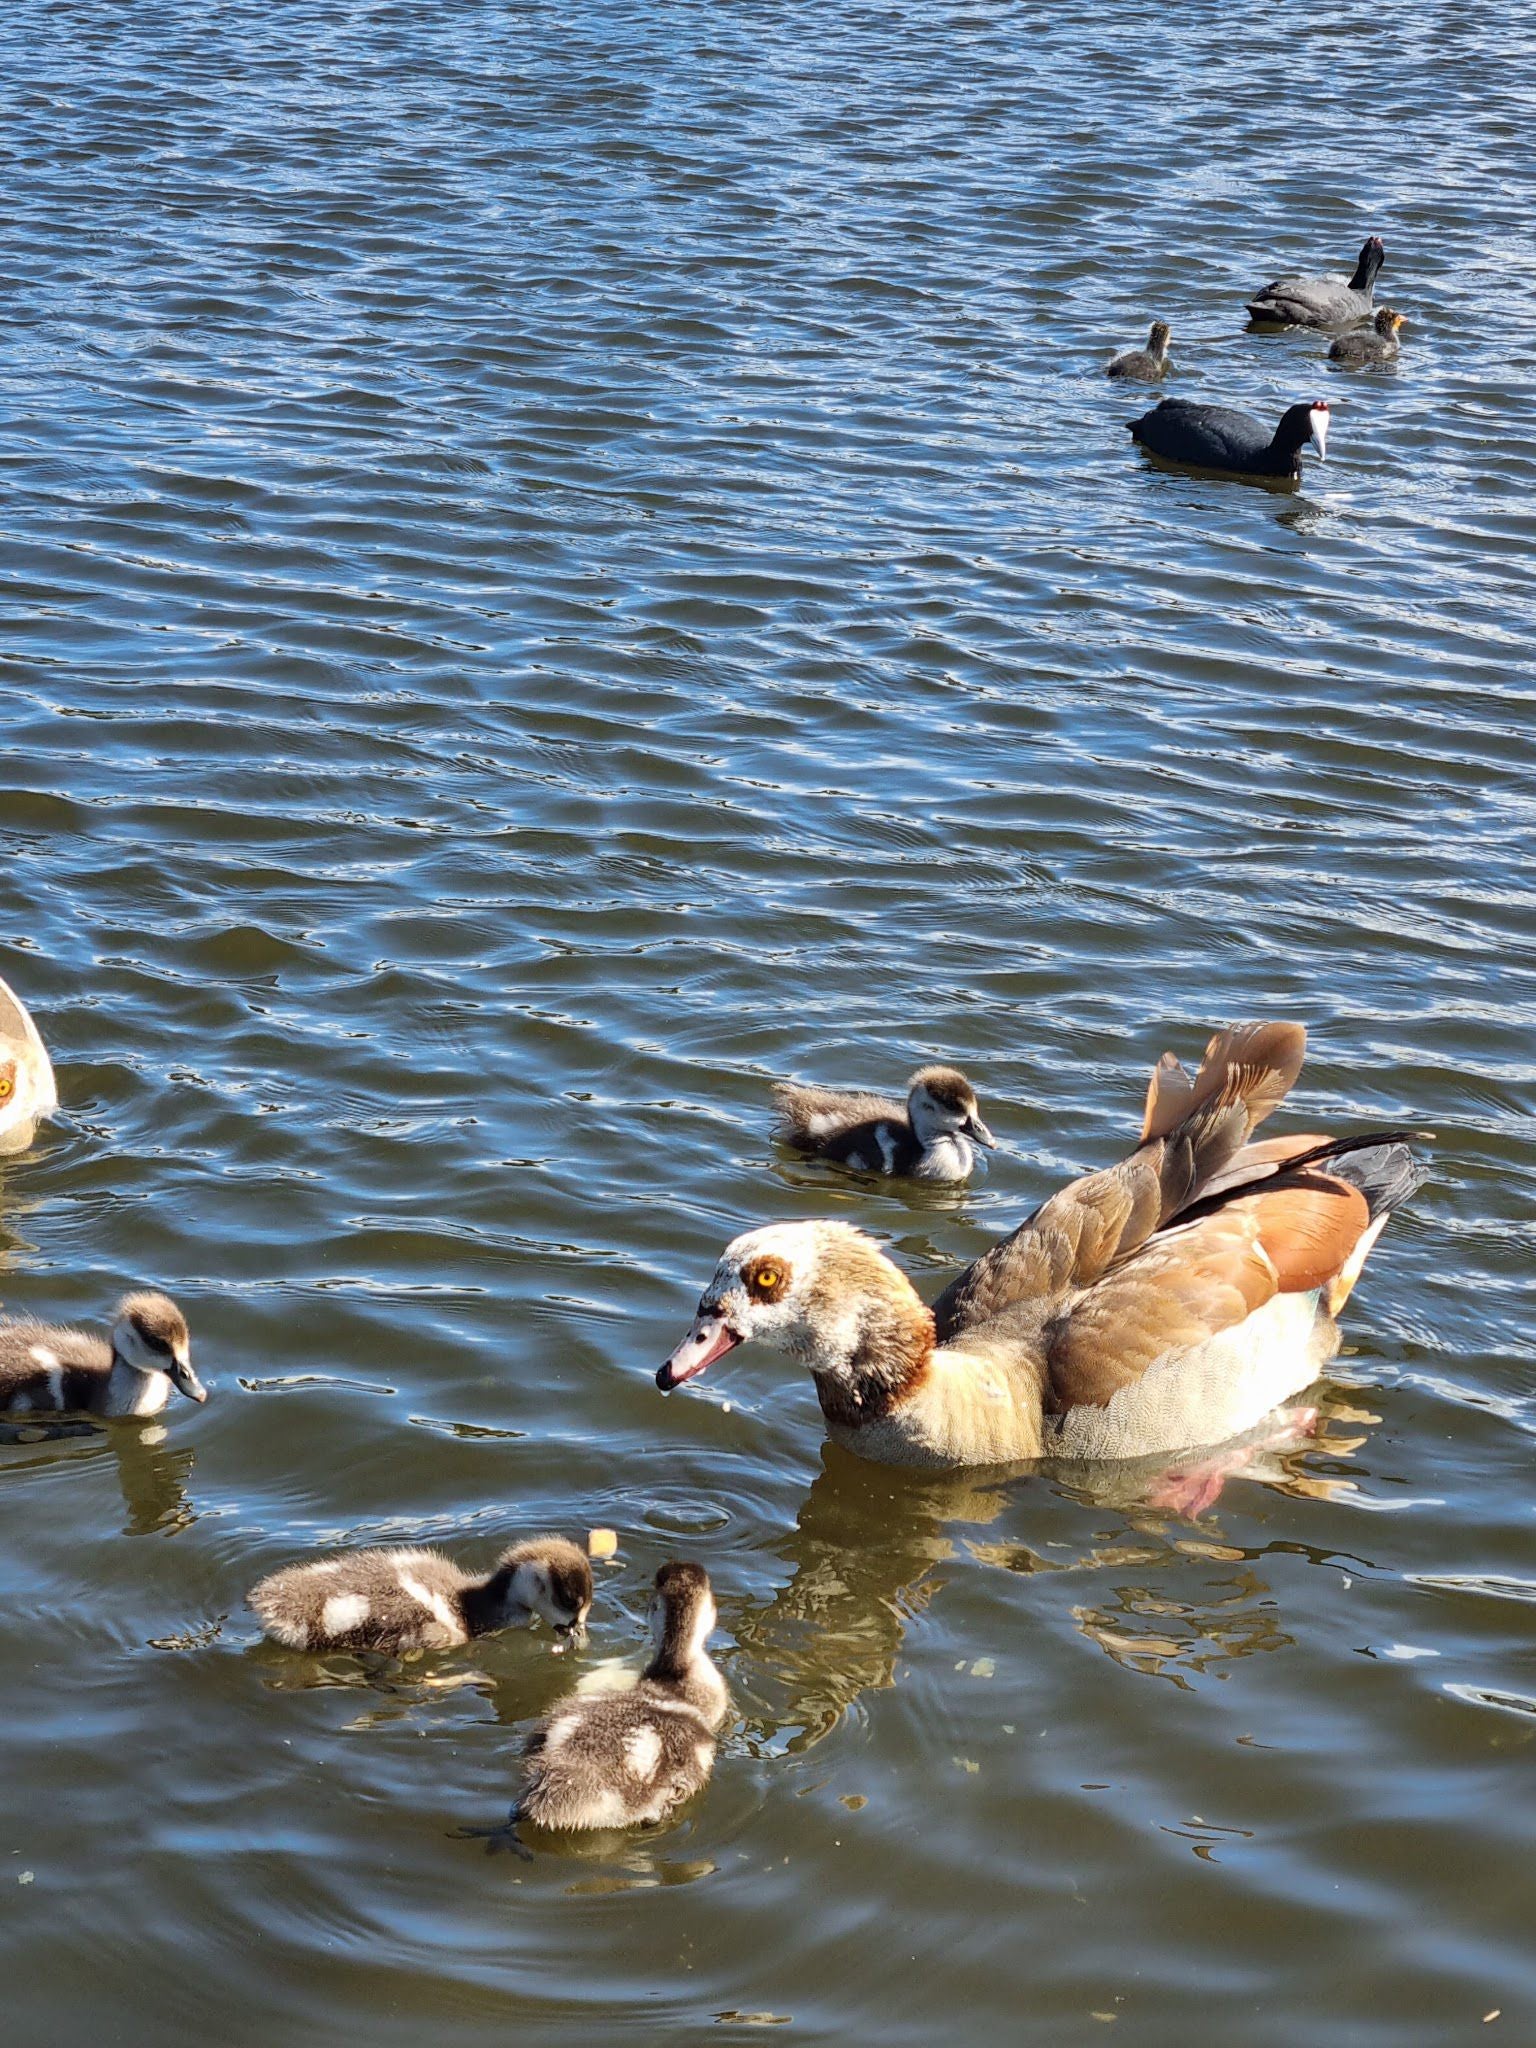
[
  {"x": 629, "y": 1759},
  {"x": 27, "y": 1090},
  {"x": 46, "y": 1366},
  {"x": 399, "y": 1600},
  {"x": 1144, "y": 365},
  {"x": 933, "y": 1138}
]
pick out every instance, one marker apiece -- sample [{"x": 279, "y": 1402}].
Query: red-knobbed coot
[
  {"x": 1215, "y": 437},
  {"x": 1321, "y": 301},
  {"x": 1144, "y": 365},
  {"x": 1366, "y": 349}
]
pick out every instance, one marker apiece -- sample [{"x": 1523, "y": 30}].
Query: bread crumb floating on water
[{"x": 602, "y": 1543}]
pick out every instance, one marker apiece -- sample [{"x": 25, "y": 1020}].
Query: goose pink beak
[{"x": 710, "y": 1338}]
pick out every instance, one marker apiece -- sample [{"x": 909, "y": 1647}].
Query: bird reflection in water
[
  {"x": 873, "y": 1546},
  {"x": 152, "y": 1472}
]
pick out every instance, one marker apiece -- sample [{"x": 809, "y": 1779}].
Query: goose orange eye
[
  {"x": 6, "y": 1089},
  {"x": 765, "y": 1279}
]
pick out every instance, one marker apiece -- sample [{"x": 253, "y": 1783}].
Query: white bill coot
[{"x": 1225, "y": 442}]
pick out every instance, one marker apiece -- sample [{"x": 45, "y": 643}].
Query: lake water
[{"x": 560, "y": 563}]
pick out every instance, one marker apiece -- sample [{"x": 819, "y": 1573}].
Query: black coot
[
  {"x": 1217, "y": 438},
  {"x": 1322, "y": 301}
]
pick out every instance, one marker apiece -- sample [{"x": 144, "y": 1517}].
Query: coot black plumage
[
  {"x": 1216, "y": 437},
  {"x": 1144, "y": 365},
  {"x": 1322, "y": 301}
]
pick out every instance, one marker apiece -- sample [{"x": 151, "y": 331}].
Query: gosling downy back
[
  {"x": 396, "y": 1600},
  {"x": 630, "y": 1759}
]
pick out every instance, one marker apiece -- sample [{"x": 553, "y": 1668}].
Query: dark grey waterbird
[
  {"x": 1322, "y": 301},
  {"x": 1226, "y": 442},
  {"x": 1373, "y": 346}
]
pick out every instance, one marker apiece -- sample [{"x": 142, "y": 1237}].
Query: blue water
[{"x": 560, "y": 564}]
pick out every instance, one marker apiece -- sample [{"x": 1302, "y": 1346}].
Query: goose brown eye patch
[{"x": 766, "y": 1280}]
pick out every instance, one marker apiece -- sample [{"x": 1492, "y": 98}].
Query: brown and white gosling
[
  {"x": 399, "y": 1600},
  {"x": 629, "y": 1759},
  {"x": 27, "y": 1090},
  {"x": 45, "y": 1367},
  {"x": 1168, "y": 1302},
  {"x": 933, "y": 1138},
  {"x": 1144, "y": 365},
  {"x": 1378, "y": 344}
]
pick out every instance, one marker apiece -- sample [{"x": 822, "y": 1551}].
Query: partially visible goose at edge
[
  {"x": 131, "y": 1372},
  {"x": 1167, "y": 1303},
  {"x": 27, "y": 1091},
  {"x": 1224, "y": 442},
  {"x": 1322, "y": 301}
]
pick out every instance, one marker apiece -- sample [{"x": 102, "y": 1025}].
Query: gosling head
[
  {"x": 1157, "y": 341},
  {"x": 941, "y": 1102},
  {"x": 151, "y": 1335},
  {"x": 550, "y": 1577},
  {"x": 682, "y": 1614},
  {"x": 820, "y": 1291},
  {"x": 1388, "y": 321}
]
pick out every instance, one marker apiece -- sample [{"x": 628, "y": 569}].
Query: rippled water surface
[{"x": 559, "y": 563}]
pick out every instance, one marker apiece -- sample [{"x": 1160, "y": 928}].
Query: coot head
[
  {"x": 1372, "y": 255},
  {"x": 1301, "y": 424}
]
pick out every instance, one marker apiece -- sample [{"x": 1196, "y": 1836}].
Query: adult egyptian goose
[
  {"x": 933, "y": 1138},
  {"x": 629, "y": 1759},
  {"x": 1168, "y": 1302},
  {"x": 399, "y": 1600},
  {"x": 27, "y": 1090}
]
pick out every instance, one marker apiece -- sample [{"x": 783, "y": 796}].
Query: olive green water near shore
[{"x": 560, "y": 563}]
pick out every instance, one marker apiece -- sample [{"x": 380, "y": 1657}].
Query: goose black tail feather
[{"x": 1379, "y": 1164}]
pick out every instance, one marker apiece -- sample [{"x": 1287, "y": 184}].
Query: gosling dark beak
[
  {"x": 186, "y": 1381},
  {"x": 710, "y": 1338},
  {"x": 975, "y": 1128},
  {"x": 573, "y": 1631}
]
